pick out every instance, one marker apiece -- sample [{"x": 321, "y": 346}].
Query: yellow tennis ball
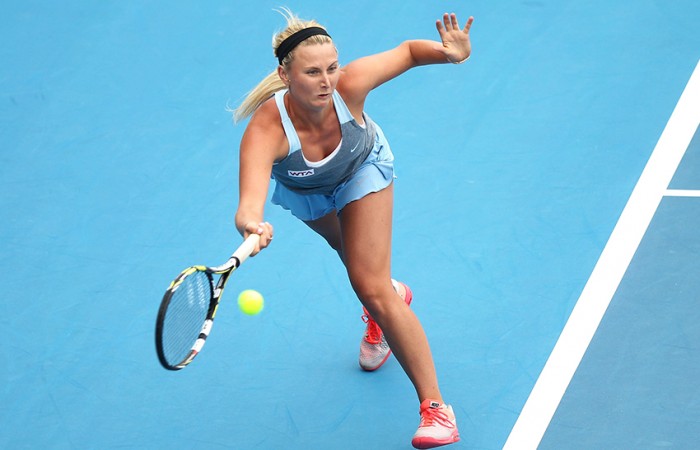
[{"x": 251, "y": 302}]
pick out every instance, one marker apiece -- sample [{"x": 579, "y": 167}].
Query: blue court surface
[{"x": 546, "y": 218}]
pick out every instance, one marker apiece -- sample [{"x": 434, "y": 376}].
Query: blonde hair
[{"x": 272, "y": 82}]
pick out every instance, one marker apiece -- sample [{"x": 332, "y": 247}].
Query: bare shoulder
[
  {"x": 353, "y": 89},
  {"x": 264, "y": 134}
]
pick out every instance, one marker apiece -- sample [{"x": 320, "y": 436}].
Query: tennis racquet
[{"x": 189, "y": 306}]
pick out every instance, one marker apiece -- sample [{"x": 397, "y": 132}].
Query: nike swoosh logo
[{"x": 355, "y": 147}]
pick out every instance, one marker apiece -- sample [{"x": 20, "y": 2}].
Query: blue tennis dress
[{"x": 361, "y": 164}]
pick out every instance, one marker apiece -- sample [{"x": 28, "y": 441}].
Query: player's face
[{"x": 314, "y": 73}]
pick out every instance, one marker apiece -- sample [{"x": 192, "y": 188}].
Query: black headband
[{"x": 295, "y": 39}]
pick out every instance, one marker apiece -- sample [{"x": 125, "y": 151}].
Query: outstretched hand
[{"x": 455, "y": 40}]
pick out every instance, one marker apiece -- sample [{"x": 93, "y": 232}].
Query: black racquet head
[{"x": 184, "y": 315}]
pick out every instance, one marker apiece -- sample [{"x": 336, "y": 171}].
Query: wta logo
[{"x": 300, "y": 173}]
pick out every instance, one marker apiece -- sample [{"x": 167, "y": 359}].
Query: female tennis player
[{"x": 333, "y": 169}]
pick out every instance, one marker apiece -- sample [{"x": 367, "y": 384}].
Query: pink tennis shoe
[{"x": 438, "y": 425}]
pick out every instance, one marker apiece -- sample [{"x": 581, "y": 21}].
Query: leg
[
  {"x": 328, "y": 227},
  {"x": 366, "y": 249}
]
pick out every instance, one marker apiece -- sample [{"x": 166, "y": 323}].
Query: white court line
[
  {"x": 552, "y": 383},
  {"x": 682, "y": 193}
]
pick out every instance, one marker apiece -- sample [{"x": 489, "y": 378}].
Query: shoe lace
[
  {"x": 373, "y": 334},
  {"x": 432, "y": 416}
]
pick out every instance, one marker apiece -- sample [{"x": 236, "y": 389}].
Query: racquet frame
[{"x": 225, "y": 270}]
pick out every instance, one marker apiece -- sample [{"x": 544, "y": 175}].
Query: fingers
[
  {"x": 266, "y": 232},
  {"x": 468, "y": 26},
  {"x": 453, "y": 21},
  {"x": 440, "y": 28},
  {"x": 449, "y": 23}
]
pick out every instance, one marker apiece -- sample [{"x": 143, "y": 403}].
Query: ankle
[{"x": 431, "y": 397}]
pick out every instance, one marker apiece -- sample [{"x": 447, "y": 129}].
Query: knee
[{"x": 375, "y": 294}]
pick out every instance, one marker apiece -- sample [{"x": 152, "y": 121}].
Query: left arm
[{"x": 362, "y": 75}]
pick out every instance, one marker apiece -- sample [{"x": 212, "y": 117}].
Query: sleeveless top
[{"x": 322, "y": 177}]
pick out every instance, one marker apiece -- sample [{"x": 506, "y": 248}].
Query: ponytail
[{"x": 264, "y": 90}]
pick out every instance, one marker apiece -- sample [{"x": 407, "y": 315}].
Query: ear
[{"x": 283, "y": 75}]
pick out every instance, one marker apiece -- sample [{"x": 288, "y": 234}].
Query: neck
[{"x": 307, "y": 117}]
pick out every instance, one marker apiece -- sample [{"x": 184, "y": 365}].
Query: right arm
[{"x": 262, "y": 144}]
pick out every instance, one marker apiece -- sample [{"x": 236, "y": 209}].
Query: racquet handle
[{"x": 246, "y": 248}]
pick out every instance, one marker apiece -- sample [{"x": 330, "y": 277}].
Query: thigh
[
  {"x": 366, "y": 228},
  {"x": 328, "y": 227}
]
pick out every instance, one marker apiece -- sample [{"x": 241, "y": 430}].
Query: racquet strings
[{"x": 185, "y": 316}]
